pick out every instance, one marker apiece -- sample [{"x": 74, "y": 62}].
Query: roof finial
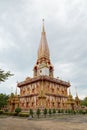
[
  {"x": 43, "y": 30},
  {"x": 16, "y": 88},
  {"x": 76, "y": 92},
  {"x": 16, "y": 91},
  {"x": 11, "y": 90},
  {"x": 69, "y": 92}
]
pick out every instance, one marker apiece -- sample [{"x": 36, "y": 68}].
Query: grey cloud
[{"x": 66, "y": 29}]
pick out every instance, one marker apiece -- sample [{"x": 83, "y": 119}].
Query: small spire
[
  {"x": 16, "y": 91},
  {"x": 16, "y": 88},
  {"x": 11, "y": 89},
  {"x": 76, "y": 92},
  {"x": 69, "y": 92}
]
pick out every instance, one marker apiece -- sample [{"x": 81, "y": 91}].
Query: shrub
[
  {"x": 62, "y": 111},
  {"x": 74, "y": 112},
  {"x": 45, "y": 112},
  {"x": 66, "y": 111},
  {"x": 17, "y": 110},
  {"x": 86, "y": 111},
  {"x": 1, "y": 112},
  {"x": 23, "y": 114},
  {"x": 70, "y": 111},
  {"x": 6, "y": 113},
  {"x": 38, "y": 112},
  {"x": 77, "y": 111},
  {"x": 6, "y": 110},
  {"x": 31, "y": 112},
  {"x": 50, "y": 112},
  {"x": 10, "y": 113},
  {"x": 83, "y": 112},
  {"x": 59, "y": 111},
  {"x": 80, "y": 112},
  {"x": 54, "y": 111}
]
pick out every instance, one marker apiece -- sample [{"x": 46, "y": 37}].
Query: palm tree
[{"x": 4, "y": 75}]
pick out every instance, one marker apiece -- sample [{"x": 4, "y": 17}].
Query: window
[
  {"x": 52, "y": 90},
  {"x": 27, "y": 104},
  {"x": 33, "y": 90}
]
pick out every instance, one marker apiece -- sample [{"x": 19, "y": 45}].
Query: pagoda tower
[
  {"x": 43, "y": 65},
  {"x": 70, "y": 101},
  {"x": 43, "y": 90},
  {"x": 77, "y": 102}
]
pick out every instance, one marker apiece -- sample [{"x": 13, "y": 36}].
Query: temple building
[
  {"x": 43, "y": 90},
  {"x": 74, "y": 104},
  {"x": 13, "y": 101}
]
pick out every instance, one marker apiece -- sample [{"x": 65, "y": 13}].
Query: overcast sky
[{"x": 66, "y": 30}]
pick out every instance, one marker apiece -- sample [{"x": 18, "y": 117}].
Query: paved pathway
[{"x": 78, "y": 122}]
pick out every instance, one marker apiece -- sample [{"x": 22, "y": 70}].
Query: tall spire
[
  {"x": 76, "y": 92},
  {"x": 43, "y": 65},
  {"x": 43, "y": 51},
  {"x": 16, "y": 91}
]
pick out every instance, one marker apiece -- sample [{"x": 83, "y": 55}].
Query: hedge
[
  {"x": 1, "y": 112},
  {"x": 23, "y": 114}
]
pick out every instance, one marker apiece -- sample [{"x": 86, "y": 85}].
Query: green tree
[
  {"x": 66, "y": 111},
  {"x": 59, "y": 111},
  {"x": 54, "y": 111},
  {"x": 45, "y": 112},
  {"x": 3, "y": 100},
  {"x": 86, "y": 111},
  {"x": 84, "y": 102},
  {"x": 4, "y": 75},
  {"x": 38, "y": 112},
  {"x": 80, "y": 111},
  {"x": 18, "y": 110},
  {"x": 50, "y": 112},
  {"x": 31, "y": 112}
]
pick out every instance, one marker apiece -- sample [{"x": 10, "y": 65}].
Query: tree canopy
[
  {"x": 4, "y": 75},
  {"x": 3, "y": 100},
  {"x": 84, "y": 102}
]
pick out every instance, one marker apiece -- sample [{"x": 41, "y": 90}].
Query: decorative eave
[
  {"x": 47, "y": 94},
  {"x": 43, "y": 78},
  {"x": 30, "y": 95},
  {"x": 70, "y": 102},
  {"x": 56, "y": 95}
]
